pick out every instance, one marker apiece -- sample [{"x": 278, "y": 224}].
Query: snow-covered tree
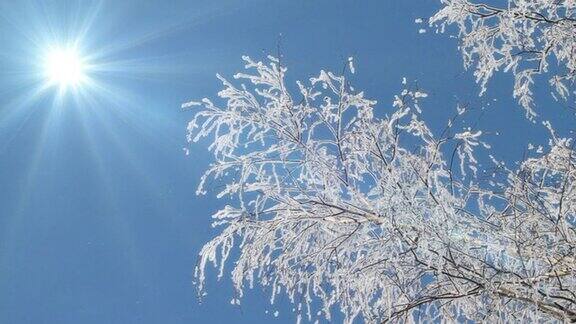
[
  {"x": 527, "y": 37},
  {"x": 378, "y": 218}
]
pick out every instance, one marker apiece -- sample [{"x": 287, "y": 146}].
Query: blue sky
[{"x": 99, "y": 222}]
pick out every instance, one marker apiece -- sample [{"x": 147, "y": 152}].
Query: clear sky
[{"x": 99, "y": 222}]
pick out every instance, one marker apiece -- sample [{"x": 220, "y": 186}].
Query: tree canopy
[{"x": 382, "y": 219}]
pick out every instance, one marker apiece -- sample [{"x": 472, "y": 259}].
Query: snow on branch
[
  {"x": 339, "y": 209},
  {"x": 527, "y": 37}
]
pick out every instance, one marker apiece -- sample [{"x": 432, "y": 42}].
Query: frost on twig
[
  {"x": 527, "y": 37},
  {"x": 340, "y": 209}
]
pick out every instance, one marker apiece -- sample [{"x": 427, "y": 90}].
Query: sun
[{"x": 64, "y": 67}]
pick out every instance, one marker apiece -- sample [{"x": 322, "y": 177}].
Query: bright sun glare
[{"x": 64, "y": 67}]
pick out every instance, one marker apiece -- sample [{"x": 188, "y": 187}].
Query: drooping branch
[
  {"x": 528, "y": 38},
  {"x": 339, "y": 208}
]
